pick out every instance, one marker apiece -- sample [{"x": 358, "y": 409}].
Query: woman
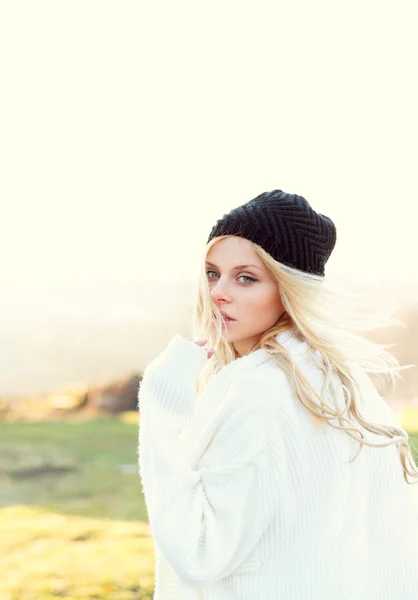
[{"x": 271, "y": 467}]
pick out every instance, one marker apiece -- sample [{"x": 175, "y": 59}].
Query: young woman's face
[{"x": 247, "y": 293}]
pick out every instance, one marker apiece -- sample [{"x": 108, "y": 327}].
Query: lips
[{"x": 227, "y": 317}]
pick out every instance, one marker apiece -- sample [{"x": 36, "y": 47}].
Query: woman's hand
[{"x": 202, "y": 343}]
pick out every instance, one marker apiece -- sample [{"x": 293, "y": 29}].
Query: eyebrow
[{"x": 237, "y": 268}]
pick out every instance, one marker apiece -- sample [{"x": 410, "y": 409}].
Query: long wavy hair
[{"x": 333, "y": 322}]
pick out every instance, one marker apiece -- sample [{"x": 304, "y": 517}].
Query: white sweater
[{"x": 248, "y": 500}]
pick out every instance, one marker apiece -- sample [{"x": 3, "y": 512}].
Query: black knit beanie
[{"x": 285, "y": 226}]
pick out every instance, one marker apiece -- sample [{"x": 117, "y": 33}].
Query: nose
[{"x": 219, "y": 292}]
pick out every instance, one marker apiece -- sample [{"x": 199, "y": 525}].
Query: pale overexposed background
[{"x": 128, "y": 128}]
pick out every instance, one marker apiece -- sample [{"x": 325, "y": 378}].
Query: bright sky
[{"x": 129, "y": 127}]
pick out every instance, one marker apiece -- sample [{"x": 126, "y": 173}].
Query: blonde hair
[{"x": 332, "y": 322}]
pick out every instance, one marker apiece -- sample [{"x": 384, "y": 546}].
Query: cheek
[{"x": 266, "y": 303}]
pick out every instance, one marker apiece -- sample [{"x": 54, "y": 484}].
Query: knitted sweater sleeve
[{"x": 206, "y": 520}]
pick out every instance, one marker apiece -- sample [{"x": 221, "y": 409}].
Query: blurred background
[{"x": 127, "y": 130}]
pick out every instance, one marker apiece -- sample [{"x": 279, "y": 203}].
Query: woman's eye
[{"x": 247, "y": 278}]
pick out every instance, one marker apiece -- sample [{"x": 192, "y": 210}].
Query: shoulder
[
  {"x": 247, "y": 414},
  {"x": 261, "y": 384},
  {"x": 268, "y": 380},
  {"x": 258, "y": 390}
]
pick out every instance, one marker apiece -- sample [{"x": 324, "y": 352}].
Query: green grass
[
  {"x": 47, "y": 555},
  {"x": 93, "y": 449},
  {"x": 413, "y": 444}
]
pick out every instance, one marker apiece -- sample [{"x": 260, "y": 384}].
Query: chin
[
  {"x": 233, "y": 337},
  {"x": 229, "y": 335}
]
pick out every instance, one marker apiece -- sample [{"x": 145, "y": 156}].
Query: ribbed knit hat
[{"x": 285, "y": 226}]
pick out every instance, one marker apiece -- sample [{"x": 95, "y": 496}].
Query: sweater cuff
[
  {"x": 180, "y": 360},
  {"x": 171, "y": 377}
]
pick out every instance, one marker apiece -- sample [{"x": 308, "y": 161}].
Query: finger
[{"x": 201, "y": 342}]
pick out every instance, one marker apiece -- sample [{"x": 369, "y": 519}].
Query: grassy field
[
  {"x": 72, "y": 517},
  {"x": 72, "y": 467}
]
